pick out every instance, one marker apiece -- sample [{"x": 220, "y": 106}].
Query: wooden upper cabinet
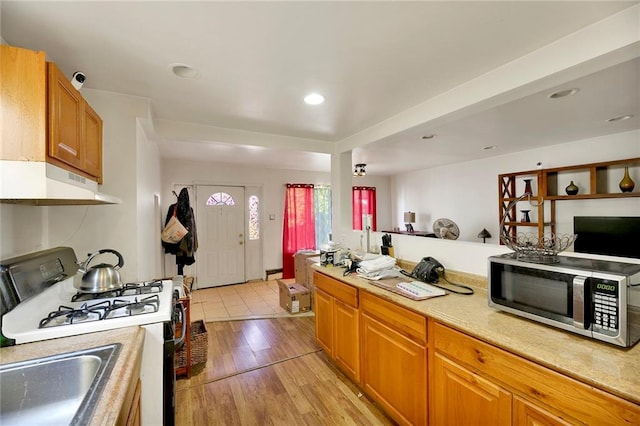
[
  {"x": 93, "y": 137},
  {"x": 44, "y": 118},
  {"x": 22, "y": 104},
  {"x": 75, "y": 129},
  {"x": 65, "y": 116}
]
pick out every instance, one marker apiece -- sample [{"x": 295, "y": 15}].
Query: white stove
[
  {"x": 61, "y": 311},
  {"x": 39, "y": 301}
]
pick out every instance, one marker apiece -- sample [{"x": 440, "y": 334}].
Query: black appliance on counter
[{"x": 607, "y": 235}]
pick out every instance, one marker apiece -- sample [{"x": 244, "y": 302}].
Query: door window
[{"x": 221, "y": 199}]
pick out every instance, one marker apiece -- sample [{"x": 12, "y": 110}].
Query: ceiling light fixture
[
  {"x": 314, "y": 99},
  {"x": 359, "y": 170},
  {"x": 620, "y": 118},
  {"x": 563, "y": 93},
  {"x": 184, "y": 71}
]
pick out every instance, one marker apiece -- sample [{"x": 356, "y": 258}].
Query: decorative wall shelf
[{"x": 549, "y": 188}]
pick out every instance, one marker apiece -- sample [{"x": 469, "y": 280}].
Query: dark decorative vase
[
  {"x": 527, "y": 186},
  {"x": 571, "y": 189},
  {"x": 626, "y": 184},
  {"x": 525, "y": 216}
]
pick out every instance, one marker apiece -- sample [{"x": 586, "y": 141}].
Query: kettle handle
[{"x": 92, "y": 255}]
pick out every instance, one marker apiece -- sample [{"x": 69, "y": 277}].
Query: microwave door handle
[{"x": 580, "y": 308}]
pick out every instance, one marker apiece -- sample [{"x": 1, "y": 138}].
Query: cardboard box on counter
[{"x": 295, "y": 298}]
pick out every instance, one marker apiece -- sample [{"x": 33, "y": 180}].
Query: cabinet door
[
  {"x": 93, "y": 142},
  {"x": 394, "y": 371},
  {"x": 527, "y": 414},
  {"x": 463, "y": 398},
  {"x": 346, "y": 340},
  {"x": 65, "y": 115},
  {"x": 22, "y": 104},
  {"x": 324, "y": 321},
  {"x": 134, "y": 417}
]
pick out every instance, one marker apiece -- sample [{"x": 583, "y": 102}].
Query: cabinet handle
[{"x": 68, "y": 148}]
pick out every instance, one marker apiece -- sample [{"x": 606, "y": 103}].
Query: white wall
[
  {"x": 384, "y": 198},
  {"x": 467, "y": 193},
  {"x": 131, "y": 172},
  {"x": 271, "y": 181},
  {"x": 148, "y": 209}
]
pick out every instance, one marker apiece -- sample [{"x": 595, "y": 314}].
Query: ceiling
[{"x": 381, "y": 66}]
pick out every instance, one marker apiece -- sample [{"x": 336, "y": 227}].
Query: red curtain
[
  {"x": 299, "y": 231},
  {"x": 363, "y": 201}
]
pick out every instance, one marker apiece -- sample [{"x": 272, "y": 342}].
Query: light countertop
[
  {"x": 121, "y": 378},
  {"x": 610, "y": 368}
]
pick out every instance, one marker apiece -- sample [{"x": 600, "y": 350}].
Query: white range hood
[{"x": 40, "y": 183}]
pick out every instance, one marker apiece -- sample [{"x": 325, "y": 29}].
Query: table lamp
[{"x": 409, "y": 218}]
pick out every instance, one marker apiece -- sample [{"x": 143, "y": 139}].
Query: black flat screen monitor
[{"x": 609, "y": 235}]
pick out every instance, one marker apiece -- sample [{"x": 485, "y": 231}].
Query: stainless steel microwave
[{"x": 595, "y": 298}]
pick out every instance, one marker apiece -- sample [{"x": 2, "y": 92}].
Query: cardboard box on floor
[{"x": 295, "y": 298}]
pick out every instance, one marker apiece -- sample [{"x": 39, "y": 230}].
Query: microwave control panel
[{"x": 605, "y": 306}]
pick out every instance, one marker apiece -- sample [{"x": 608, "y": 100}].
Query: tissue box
[{"x": 294, "y": 297}]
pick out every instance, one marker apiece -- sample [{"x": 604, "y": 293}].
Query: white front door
[{"x": 221, "y": 237}]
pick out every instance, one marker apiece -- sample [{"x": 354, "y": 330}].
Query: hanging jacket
[{"x": 186, "y": 248}]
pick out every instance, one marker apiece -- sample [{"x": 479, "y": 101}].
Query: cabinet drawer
[
  {"x": 409, "y": 323},
  {"x": 343, "y": 292},
  {"x": 536, "y": 383}
]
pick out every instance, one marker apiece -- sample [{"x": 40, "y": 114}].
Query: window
[
  {"x": 322, "y": 203},
  {"x": 254, "y": 218},
  {"x": 363, "y": 200},
  {"x": 221, "y": 199}
]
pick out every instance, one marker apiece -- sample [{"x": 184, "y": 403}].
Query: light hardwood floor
[{"x": 270, "y": 372}]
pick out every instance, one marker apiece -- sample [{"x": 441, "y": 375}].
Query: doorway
[{"x": 220, "y": 220}]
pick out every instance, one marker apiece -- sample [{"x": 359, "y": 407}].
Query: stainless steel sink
[{"x": 55, "y": 390}]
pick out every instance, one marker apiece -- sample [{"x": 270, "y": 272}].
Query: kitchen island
[
  {"x": 520, "y": 361},
  {"x": 117, "y": 399}
]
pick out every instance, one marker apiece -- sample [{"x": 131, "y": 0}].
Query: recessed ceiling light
[
  {"x": 620, "y": 118},
  {"x": 314, "y": 99},
  {"x": 184, "y": 71},
  {"x": 563, "y": 93},
  {"x": 430, "y": 136},
  {"x": 490, "y": 147}
]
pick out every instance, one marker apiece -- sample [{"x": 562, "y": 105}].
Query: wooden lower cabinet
[
  {"x": 346, "y": 349},
  {"x": 134, "y": 418},
  {"x": 337, "y": 323},
  {"x": 463, "y": 398},
  {"x": 423, "y": 372},
  {"x": 324, "y": 321},
  {"x": 528, "y": 414},
  {"x": 474, "y": 382},
  {"x": 394, "y": 359}
]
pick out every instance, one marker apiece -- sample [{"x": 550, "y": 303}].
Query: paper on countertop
[
  {"x": 393, "y": 272},
  {"x": 377, "y": 264}
]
